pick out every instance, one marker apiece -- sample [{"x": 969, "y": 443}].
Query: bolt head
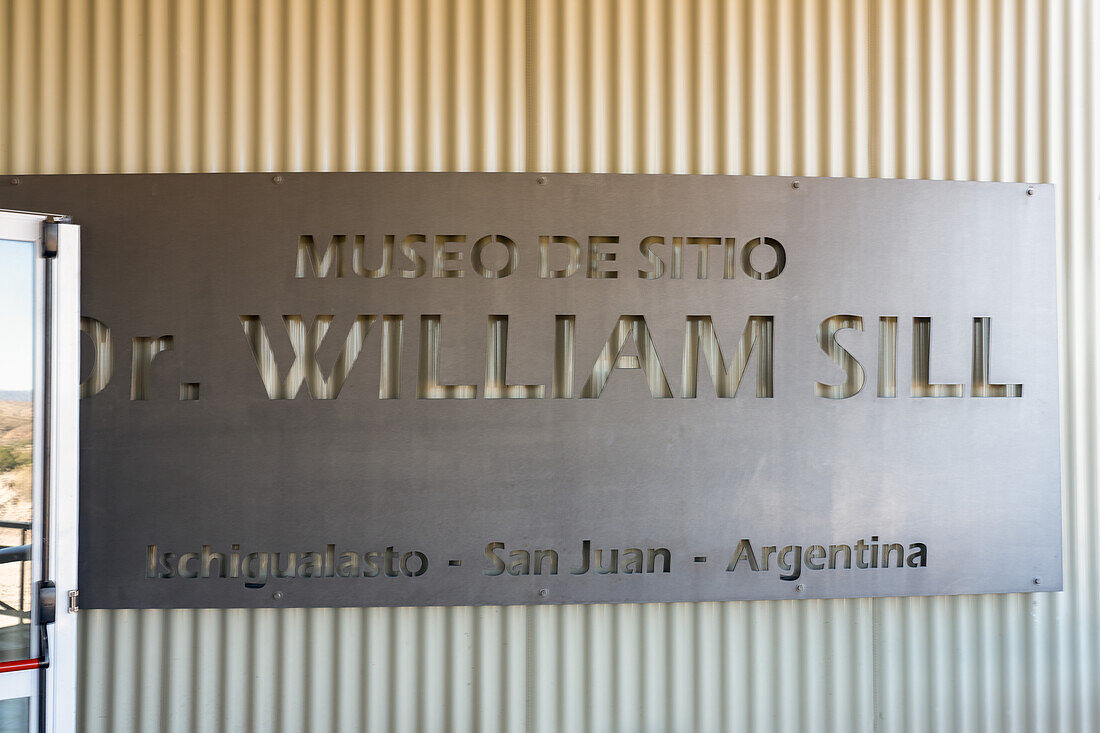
[
  {"x": 544, "y": 592},
  {"x": 541, "y": 180},
  {"x": 1030, "y": 191},
  {"x": 276, "y": 179},
  {"x": 800, "y": 587},
  {"x": 1037, "y": 581},
  {"x": 277, "y": 595},
  {"x": 796, "y": 184},
  {"x": 16, "y": 181}
]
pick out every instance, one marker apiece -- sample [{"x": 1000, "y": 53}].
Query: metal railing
[{"x": 17, "y": 553}]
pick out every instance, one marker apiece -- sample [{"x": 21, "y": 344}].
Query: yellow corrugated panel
[{"x": 966, "y": 89}]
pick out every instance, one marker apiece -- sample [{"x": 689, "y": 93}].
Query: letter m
[
  {"x": 758, "y": 335},
  {"x": 307, "y": 255}
]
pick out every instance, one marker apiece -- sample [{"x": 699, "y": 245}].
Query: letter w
[{"x": 305, "y": 344}]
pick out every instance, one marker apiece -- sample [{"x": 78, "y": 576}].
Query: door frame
[{"x": 56, "y": 243}]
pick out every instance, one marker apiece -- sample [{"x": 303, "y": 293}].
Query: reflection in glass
[
  {"x": 15, "y": 715},
  {"x": 16, "y": 431}
]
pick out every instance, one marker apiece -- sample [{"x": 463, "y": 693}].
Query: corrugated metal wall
[{"x": 969, "y": 89}]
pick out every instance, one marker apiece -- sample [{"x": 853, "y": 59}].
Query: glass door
[{"x": 39, "y": 322}]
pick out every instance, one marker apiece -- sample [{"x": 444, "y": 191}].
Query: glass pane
[
  {"x": 16, "y": 432},
  {"x": 15, "y": 715}
]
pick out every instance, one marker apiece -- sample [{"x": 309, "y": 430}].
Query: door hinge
[{"x": 74, "y": 601}]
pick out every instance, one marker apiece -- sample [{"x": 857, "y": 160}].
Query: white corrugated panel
[{"x": 968, "y": 89}]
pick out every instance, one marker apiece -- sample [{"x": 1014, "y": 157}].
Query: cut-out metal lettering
[
  {"x": 428, "y": 386},
  {"x": 888, "y": 356},
  {"x": 922, "y": 348},
  {"x": 573, "y": 250},
  {"x": 703, "y": 245},
  {"x": 597, "y": 255},
  {"x": 699, "y": 332},
  {"x": 780, "y": 258},
  {"x": 980, "y": 386},
  {"x": 420, "y": 265},
  {"x": 853, "y": 370},
  {"x": 611, "y": 357},
  {"x": 729, "y": 266},
  {"x": 103, "y": 356},
  {"x": 305, "y": 366},
  {"x": 320, "y": 265},
  {"x": 496, "y": 366},
  {"x": 565, "y": 346},
  {"x": 145, "y": 349},
  {"x": 443, "y": 257},
  {"x": 676, "y": 266},
  {"x": 359, "y": 257},
  {"x": 657, "y": 265},
  {"x": 477, "y": 256}
]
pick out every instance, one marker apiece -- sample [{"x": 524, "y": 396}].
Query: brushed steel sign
[{"x": 422, "y": 389}]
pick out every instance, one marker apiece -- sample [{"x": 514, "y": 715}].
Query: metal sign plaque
[{"x": 423, "y": 389}]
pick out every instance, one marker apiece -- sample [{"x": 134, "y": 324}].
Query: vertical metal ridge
[{"x": 6, "y": 69}]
